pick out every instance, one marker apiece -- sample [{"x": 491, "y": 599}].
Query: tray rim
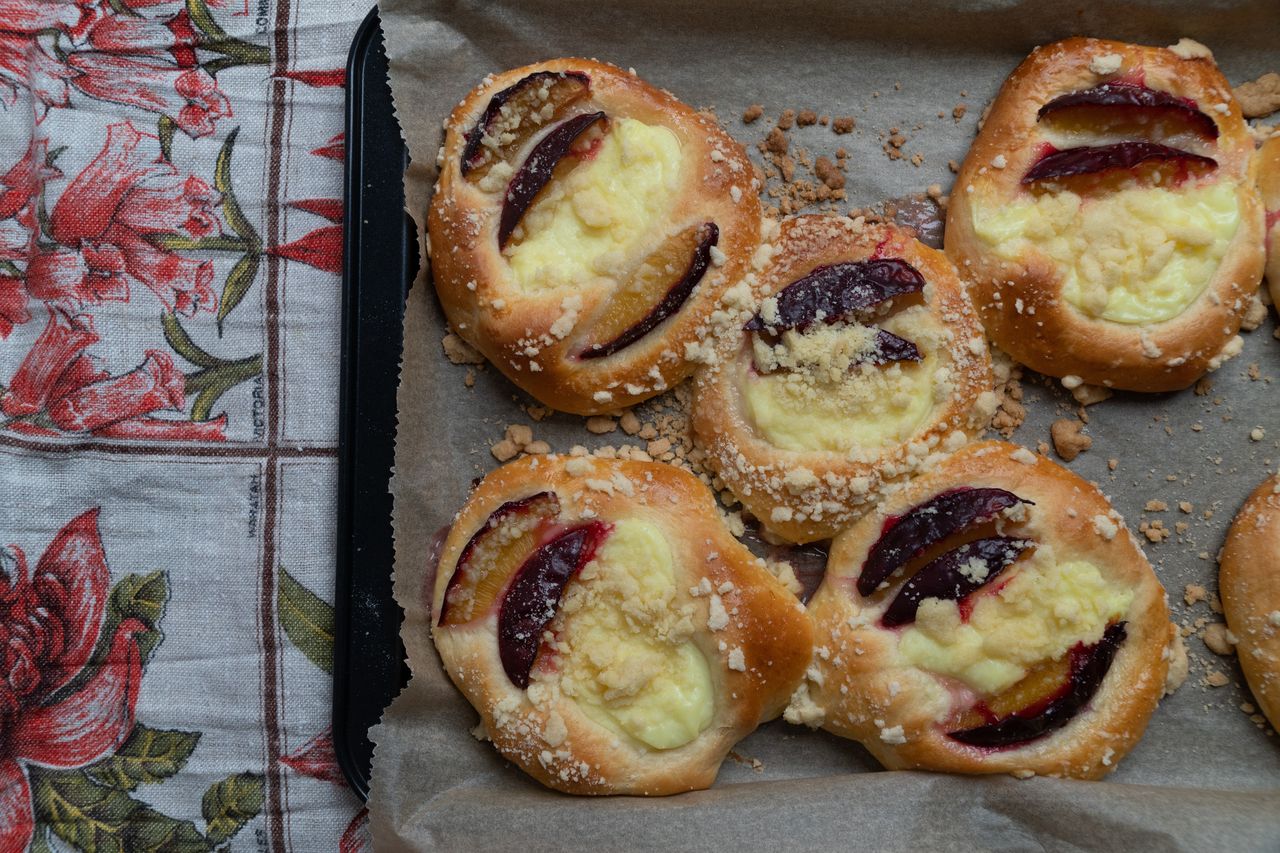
[{"x": 350, "y": 474}]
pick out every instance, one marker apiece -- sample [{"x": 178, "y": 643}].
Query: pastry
[
  {"x": 1107, "y": 218},
  {"x": 861, "y": 358},
  {"x": 1249, "y": 583},
  {"x": 1269, "y": 184},
  {"x": 613, "y": 635},
  {"x": 992, "y": 616},
  {"x": 583, "y": 228}
]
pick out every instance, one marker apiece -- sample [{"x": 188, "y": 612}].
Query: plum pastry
[
  {"x": 1107, "y": 217},
  {"x": 613, "y": 635},
  {"x": 992, "y": 616},
  {"x": 1269, "y": 183},
  {"x": 1250, "y": 589},
  {"x": 584, "y": 227},
  {"x": 863, "y": 357}
]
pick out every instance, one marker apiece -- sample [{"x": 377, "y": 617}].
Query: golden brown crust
[
  {"x": 1020, "y": 301},
  {"x": 1269, "y": 184},
  {"x": 765, "y": 624},
  {"x": 516, "y": 329},
  {"x": 862, "y": 689},
  {"x": 1250, "y": 586},
  {"x": 771, "y": 481}
]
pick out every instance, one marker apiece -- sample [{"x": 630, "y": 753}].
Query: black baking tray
[{"x": 380, "y": 263}]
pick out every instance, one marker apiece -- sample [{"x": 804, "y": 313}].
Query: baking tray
[{"x": 380, "y": 262}]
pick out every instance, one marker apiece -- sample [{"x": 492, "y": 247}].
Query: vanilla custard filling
[
  {"x": 1040, "y": 614},
  {"x": 1138, "y": 255},
  {"x": 818, "y": 397},
  {"x": 627, "y": 658},
  {"x": 591, "y": 223}
]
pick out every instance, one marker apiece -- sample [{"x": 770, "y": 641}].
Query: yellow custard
[
  {"x": 817, "y": 398},
  {"x": 627, "y": 657},
  {"x": 1138, "y": 255},
  {"x": 1041, "y": 613},
  {"x": 588, "y": 225}
]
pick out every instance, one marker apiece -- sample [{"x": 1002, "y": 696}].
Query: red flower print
[
  {"x": 31, "y": 17},
  {"x": 103, "y": 221},
  {"x": 154, "y": 385},
  {"x": 126, "y": 34},
  {"x": 59, "y": 386},
  {"x": 19, "y": 188},
  {"x": 356, "y": 838},
  {"x": 334, "y": 149},
  {"x": 13, "y": 304},
  {"x": 50, "y": 622},
  {"x": 329, "y": 208},
  {"x": 57, "y": 351},
  {"x": 336, "y": 77},
  {"x": 21, "y": 184},
  {"x": 190, "y": 96},
  {"x": 321, "y": 249},
  {"x": 25, "y": 63},
  {"x": 316, "y": 759}
]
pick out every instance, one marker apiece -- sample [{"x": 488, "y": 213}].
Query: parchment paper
[{"x": 1204, "y": 776}]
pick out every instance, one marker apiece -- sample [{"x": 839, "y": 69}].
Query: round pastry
[
  {"x": 992, "y": 616},
  {"x": 613, "y": 635},
  {"x": 1269, "y": 183},
  {"x": 1106, "y": 217},
  {"x": 583, "y": 228},
  {"x": 1250, "y": 588},
  {"x": 861, "y": 358}
]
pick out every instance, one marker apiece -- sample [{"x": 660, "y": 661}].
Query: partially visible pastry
[
  {"x": 992, "y": 616},
  {"x": 613, "y": 635},
  {"x": 1107, "y": 217},
  {"x": 1249, "y": 583},
  {"x": 863, "y": 358},
  {"x": 583, "y": 228},
  {"x": 1269, "y": 184}
]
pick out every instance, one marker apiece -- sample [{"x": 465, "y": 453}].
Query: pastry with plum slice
[
  {"x": 585, "y": 225},
  {"x": 994, "y": 615},
  {"x": 1106, "y": 218},
  {"x": 1250, "y": 588},
  {"x": 612, "y": 634},
  {"x": 1269, "y": 184},
  {"x": 860, "y": 358}
]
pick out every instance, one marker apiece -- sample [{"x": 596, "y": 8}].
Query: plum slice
[
  {"x": 952, "y": 576},
  {"x": 516, "y": 113},
  {"x": 493, "y": 553},
  {"x": 530, "y": 602},
  {"x": 1089, "y": 159},
  {"x": 1048, "y": 699},
  {"x": 907, "y": 536},
  {"x": 538, "y": 169},
  {"x": 832, "y": 293},
  {"x": 889, "y": 347},
  {"x": 651, "y": 295},
  {"x": 1131, "y": 96}
]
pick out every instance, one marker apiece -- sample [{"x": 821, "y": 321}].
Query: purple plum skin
[
  {"x": 836, "y": 291},
  {"x": 531, "y": 601},
  {"x": 471, "y": 150},
  {"x": 538, "y": 169},
  {"x": 927, "y": 524},
  {"x": 1089, "y": 159},
  {"x": 1089, "y": 666},
  {"x": 510, "y": 508},
  {"x": 670, "y": 302},
  {"x": 890, "y": 348},
  {"x": 941, "y": 578},
  {"x": 1131, "y": 96}
]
